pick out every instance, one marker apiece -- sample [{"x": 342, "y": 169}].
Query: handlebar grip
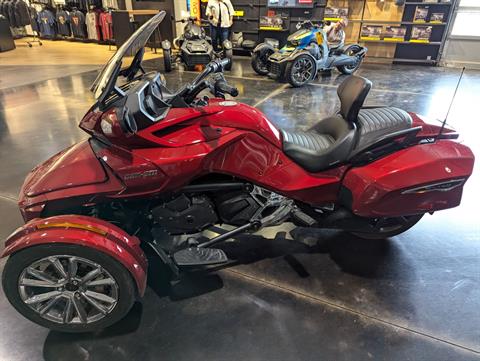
[
  {"x": 219, "y": 64},
  {"x": 223, "y": 87}
]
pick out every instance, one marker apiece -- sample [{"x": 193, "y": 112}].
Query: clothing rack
[{"x": 35, "y": 37}]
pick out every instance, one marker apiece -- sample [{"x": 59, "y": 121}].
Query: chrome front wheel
[{"x": 68, "y": 288}]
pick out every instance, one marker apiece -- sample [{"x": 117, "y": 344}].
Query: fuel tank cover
[
  {"x": 228, "y": 103},
  {"x": 73, "y": 167}
]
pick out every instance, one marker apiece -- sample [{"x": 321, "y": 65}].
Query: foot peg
[
  {"x": 303, "y": 217},
  {"x": 194, "y": 256}
]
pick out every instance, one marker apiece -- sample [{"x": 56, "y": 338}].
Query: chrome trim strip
[{"x": 432, "y": 187}]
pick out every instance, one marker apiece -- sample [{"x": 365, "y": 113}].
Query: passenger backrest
[{"x": 352, "y": 93}]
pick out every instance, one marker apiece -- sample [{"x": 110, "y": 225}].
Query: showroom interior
[{"x": 300, "y": 186}]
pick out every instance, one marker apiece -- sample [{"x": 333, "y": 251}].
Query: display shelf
[
  {"x": 382, "y": 22},
  {"x": 400, "y": 42},
  {"x": 419, "y": 61},
  {"x": 426, "y": 4},
  {"x": 275, "y": 30}
]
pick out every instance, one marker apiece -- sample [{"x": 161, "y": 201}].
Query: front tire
[
  {"x": 300, "y": 71},
  {"x": 389, "y": 227},
  {"x": 68, "y": 288},
  {"x": 260, "y": 62},
  {"x": 167, "y": 60}
]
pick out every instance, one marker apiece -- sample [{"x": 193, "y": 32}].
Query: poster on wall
[
  {"x": 437, "y": 18},
  {"x": 371, "y": 32},
  {"x": 421, "y": 34},
  {"x": 290, "y": 3},
  {"x": 395, "y": 33},
  {"x": 274, "y": 22},
  {"x": 420, "y": 14},
  {"x": 335, "y": 14}
]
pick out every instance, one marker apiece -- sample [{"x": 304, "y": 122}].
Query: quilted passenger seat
[
  {"x": 374, "y": 123},
  {"x": 333, "y": 140}
]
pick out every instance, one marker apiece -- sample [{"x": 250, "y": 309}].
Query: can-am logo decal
[{"x": 138, "y": 175}]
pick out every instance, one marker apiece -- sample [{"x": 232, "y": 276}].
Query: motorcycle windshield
[{"x": 104, "y": 83}]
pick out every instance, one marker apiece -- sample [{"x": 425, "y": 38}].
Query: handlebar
[
  {"x": 200, "y": 83},
  {"x": 214, "y": 66},
  {"x": 221, "y": 88},
  {"x": 189, "y": 19}
]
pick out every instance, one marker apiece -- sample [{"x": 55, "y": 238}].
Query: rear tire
[
  {"x": 349, "y": 70},
  {"x": 19, "y": 262},
  {"x": 397, "y": 226},
  {"x": 167, "y": 60},
  {"x": 300, "y": 71},
  {"x": 260, "y": 62}
]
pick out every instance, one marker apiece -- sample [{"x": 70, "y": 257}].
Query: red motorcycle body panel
[
  {"x": 73, "y": 167},
  {"x": 187, "y": 126},
  {"x": 84, "y": 231},
  {"x": 381, "y": 188},
  {"x": 233, "y": 139}
]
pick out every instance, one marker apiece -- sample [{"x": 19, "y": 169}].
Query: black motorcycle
[{"x": 193, "y": 48}]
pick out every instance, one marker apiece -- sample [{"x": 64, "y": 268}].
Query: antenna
[{"x": 451, "y": 103}]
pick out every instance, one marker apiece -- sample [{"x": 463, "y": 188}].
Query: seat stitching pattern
[
  {"x": 376, "y": 122},
  {"x": 311, "y": 141},
  {"x": 372, "y": 120}
]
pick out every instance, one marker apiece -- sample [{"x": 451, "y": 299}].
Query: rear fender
[
  {"x": 261, "y": 48},
  {"x": 87, "y": 232},
  {"x": 361, "y": 52}
]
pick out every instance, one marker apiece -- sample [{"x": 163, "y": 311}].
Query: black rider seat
[{"x": 335, "y": 138}]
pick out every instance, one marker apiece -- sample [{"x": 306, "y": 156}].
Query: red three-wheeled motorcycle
[{"x": 162, "y": 167}]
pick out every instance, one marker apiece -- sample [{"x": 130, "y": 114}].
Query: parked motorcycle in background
[
  {"x": 193, "y": 48},
  {"x": 306, "y": 53}
]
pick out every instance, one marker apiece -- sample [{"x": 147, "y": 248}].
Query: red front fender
[{"x": 84, "y": 231}]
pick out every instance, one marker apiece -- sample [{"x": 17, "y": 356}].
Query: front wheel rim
[
  {"x": 302, "y": 70},
  {"x": 68, "y": 290}
]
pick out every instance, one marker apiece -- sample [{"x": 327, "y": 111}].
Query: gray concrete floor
[{"x": 413, "y": 297}]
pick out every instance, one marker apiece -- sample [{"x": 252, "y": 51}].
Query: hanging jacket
[
  {"x": 11, "y": 14},
  {"x": 63, "y": 22},
  {"x": 34, "y": 19},
  {"x": 91, "y": 22},
  {"x": 106, "y": 25},
  {"x": 46, "y": 23},
  {"x": 77, "y": 23},
  {"x": 22, "y": 16}
]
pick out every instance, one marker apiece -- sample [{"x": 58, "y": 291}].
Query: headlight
[
  {"x": 109, "y": 123},
  {"x": 106, "y": 126}
]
